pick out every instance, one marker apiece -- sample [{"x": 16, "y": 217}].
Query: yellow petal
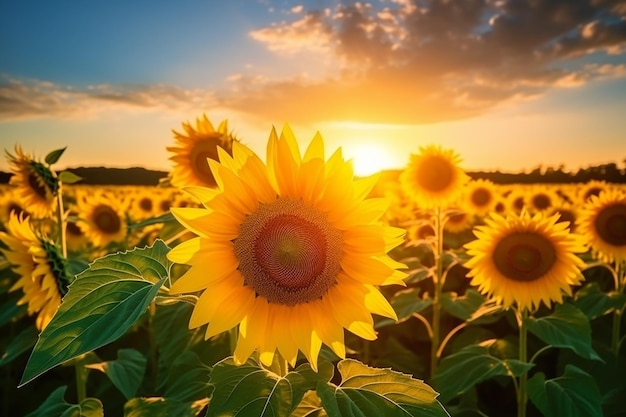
[
  {"x": 315, "y": 150},
  {"x": 351, "y": 315},
  {"x": 252, "y": 330},
  {"x": 212, "y": 267},
  {"x": 230, "y": 309}
]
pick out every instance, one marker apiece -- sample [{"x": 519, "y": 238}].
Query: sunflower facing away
[
  {"x": 433, "y": 178},
  {"x": 40, "y": 266},
  {"x": 291, "y": 251},
  {"x": 602, "y": 222},
  {"x": 525, "y": 260},
  {"x": 192, "y": 150},
  {"x": 35, "y": 185}
]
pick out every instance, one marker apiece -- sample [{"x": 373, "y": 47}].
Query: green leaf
[
  {"x": 592, "y": 301},
  {"x": 160, "y": 407},
  {"x": 68, "y": 177},
  {"x": 566, "y": 327},
  {"x": 250, "y": 390},
  {"x": 53, "y": 157},
  {"x": 163, "y": 218},
  {"x": 366, "y": 391},
  {"x": 126, "y": 373},
  {"x": 188, "y": 380},
  {"x": 462, "y": 370},
  {"x": 405, "y": 303},
  {"x": 55, "y": 405},
  {"x": 19, "y": 344},
  {"x": 574, "y": 394},
  {"x": 310, "y": 406},
  {"x": 102, "y": 304},
  {"x": 462, "y": 307},
  {"x": 10, "y": 310}
]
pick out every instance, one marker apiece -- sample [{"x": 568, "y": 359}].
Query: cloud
[
  {"x": 429, "y": 61},
  {"x": 25, "y": 99}
]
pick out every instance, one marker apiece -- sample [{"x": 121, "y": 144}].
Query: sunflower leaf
[
  {"x": 566, "y": 327},
  {"x": 19, "y": 344},
  {"x": 160, "y": 407},
  {"x": 574, "y": 394},
  {"x": 68, "y": 177},
  {"x": 249, "y": 389},
  {"x": 460, "y": 371},
  {"x": 405, "y": 303},
  {"x": 464, "y": 306},
  {"x": 54, "y": 156},
  {"x": 126, "y": 373},
  {"x": 188, "y": 380},
  {"x": 594, "y": 302},
  {"x": 366, "y": 391},
  {"x": 55, "y": 405},
  {"x": 310, "y": 406},
  {"x": 103, "y": 302}
]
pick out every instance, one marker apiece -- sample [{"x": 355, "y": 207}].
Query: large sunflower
[
  {"x": 292, "y": 251},
  {"x": 525, "y": 260},
  {"x": 41, "y": 268},
  {"x": 602, "y": 221},
  {"x": 194, "y": 148},
  {"x": 36, "y": 185},
  {"x": 433, "y": 178}
]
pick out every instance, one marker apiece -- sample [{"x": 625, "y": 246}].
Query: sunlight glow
[{"x": 369, "y": 158}]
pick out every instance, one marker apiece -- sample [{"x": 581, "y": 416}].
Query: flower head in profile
[
  {"x": 41, "y": 268},
  {"x": 35, "y": 184},
  {"x": 602, "y": 221},
  {"x": 193, "y": 148},
  {"x": 524, "y": 259},
  {"x": 292, "y": 251},
  {"x": 433, "y": 178}
]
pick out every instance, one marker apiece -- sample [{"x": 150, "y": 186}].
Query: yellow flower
[
  {"x": 291, "y": 251},
  {"x": 9, "y": 203},
  {"x": 525, "y": 260},
  {"x": 35, "y": 183},
  {"x": 194, "y": 149},
  {"x": 591, "y": 188},
  {"x": 458, "y": 221},
  {"x": 40, "y": 266},
  {"x": 480, "y": 197},
  {"x": 102, "y": 217},
  {"x": 433, "y": 178},
  {"x": 541, "y": 199},
  {"x": 602, "y": 221}
]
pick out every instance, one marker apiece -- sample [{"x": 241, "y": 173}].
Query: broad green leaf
[
  {"x": 10, "y": 310},
  {"x": 310, "y": 406},
  {"x": 19, "y": 344},
  {"x": 566, "y": 327},
  {"x": 594, "y": 302},
  {"x": 405, "y": 303},
  {"x": 250, "y": 390},
  {"x": 462, "y": 370},
  {"x": 68, "y": 177},
  {"x": 53, "y": 157},
  {"x": 161, "y": 407},
  {"x": 462, "y": 307},
  {"x": 101, "y": 305},
  {"x": 163, "y": 218},
  {"x": 126, "y": 373},
  {"x": 574, "y": 394},
  {"x": 366, "y": 391},
  {"x": 188, "y": 380},
  {"x": 418, "y": 275},
  {"x": 55, "y": 405}
]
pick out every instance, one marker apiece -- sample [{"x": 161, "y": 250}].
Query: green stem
[
  {"x": 154, "y": 361},
  {"x": 438, "y": 281},
  {"x": 81, "y": 380},
  {"x": 522, "y": 394},
  {"x": 61, "y": 220},
  {"x": 620, "y": 272}
]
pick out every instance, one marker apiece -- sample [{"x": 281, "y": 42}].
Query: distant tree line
[{"x": 140, "y": 176}]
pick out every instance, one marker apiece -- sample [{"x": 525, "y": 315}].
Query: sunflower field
[{"x": 291, "y": 287}]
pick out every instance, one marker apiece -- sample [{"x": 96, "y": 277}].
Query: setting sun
[{"x": 369, "y": 158}]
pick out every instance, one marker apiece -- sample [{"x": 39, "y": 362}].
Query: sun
[{"x": 369, "y": 158}]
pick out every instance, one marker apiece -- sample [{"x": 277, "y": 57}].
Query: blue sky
[{"x": 509, "y": 85}]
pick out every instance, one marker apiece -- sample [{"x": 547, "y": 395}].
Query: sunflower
[
  {"x": 480, "y": 196},
  {"x": 458, "y": 220},
  {"x": 525, "y": 259},
  {"x": 433, "y": 178},
  {"x": 541, "y": 199},
  {"x": 36, "y": 185},
  {"x": 291, "y": 251},
  {"x": 591, "y": 188},
  {"x": 102, "y": 217},
  {"x": 9, "y": 203},
  {"x": 567, "y": 213},
  {"x": 603, "y": 223},
  {"x": 194, "y": 149},
  {"x": 41, "y": 269}
]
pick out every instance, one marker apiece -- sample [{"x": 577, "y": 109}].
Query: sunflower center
[
  {"x": 610, "y": 224},
  {"x": 481, "y": 197},
  {"x": 145, "y": 204},
  {"x": 524, "y": 256},
  {"x": 541, "y": 201},
  {"x": 203, "y": 150},
  {"x": 106, "y": 219},
  {"x": 435, "y": 174},
  {"x": 288, "y": 252},
  {"x": 36, "y": 186}
]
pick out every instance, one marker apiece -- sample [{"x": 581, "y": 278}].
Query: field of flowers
[{"x": 290, "y": 287}]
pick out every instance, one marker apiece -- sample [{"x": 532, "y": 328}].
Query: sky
[{"x": 510, "y": 85}]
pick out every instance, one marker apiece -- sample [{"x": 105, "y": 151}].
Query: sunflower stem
[
  {"x": 154, "y": 362},
  {"x": 61, "y": 220},
  {"x": 620, "y": 270},
  {"x": 434, "y": 346},
  {"x": 81, "y": 380},
  {"x": 522, "y": 395}
]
